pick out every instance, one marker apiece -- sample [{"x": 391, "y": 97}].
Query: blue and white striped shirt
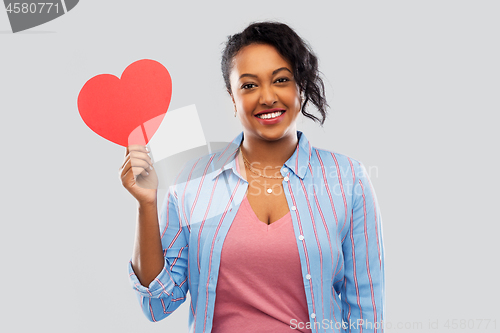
[{"x": 337, "y": 225}]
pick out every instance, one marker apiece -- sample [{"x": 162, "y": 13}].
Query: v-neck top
[{"x": 260, "y": 286}]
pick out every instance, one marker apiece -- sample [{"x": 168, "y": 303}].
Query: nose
[{"x": 268, "y": 96}]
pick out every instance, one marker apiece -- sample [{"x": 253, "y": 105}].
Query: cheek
[
  {"x": 247, "y": 102},
  {"x": 293, "y": 99}
]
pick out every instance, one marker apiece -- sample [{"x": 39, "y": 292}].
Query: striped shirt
[{"x": 337, "y": 227}]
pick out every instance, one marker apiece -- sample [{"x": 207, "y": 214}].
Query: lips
[
  {"x": 270, "y": 111},
  {"x": 271, "y": 121}
]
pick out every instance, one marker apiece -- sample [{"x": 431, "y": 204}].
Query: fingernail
[
  {"x": 147, "y": 149},
  {"x": 150, "y": 167},
  {"x": 147, "y": 173}
]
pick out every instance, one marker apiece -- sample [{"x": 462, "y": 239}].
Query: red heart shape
[{"x": 127, "y": 110}]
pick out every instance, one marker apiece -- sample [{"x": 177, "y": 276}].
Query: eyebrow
[{"x": 276, "y": 71}]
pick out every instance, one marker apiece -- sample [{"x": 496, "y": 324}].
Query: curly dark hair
[{"x": 291, "y": 47}]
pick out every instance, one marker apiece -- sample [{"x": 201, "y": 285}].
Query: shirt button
[
  {"x": 286, "y": 178},
  {"x": 294, "y": 208},
  {"x": 301, "y": 237},
  {"x": 308, "y": 276},
  {"x": 313, "y": 315},
  {"x": 284, "y": 169}
]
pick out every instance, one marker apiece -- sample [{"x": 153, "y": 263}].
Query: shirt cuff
[{"x": 162, "y": 284}]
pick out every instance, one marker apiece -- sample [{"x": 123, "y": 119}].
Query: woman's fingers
[
  {"x": 138, "y": 151},
  {"x": 140, "y": 166},
  {"x": 125, "y": 168},
  {"x": 139, "y": 155},
  {"x": 138, "y": 148},
  {"x": 137, "y": 167},
  {"x": 137, "y": 173},
  {"x": 135, "y": 156},
  {"x": 140, "y": 172},
  {"x": 125, "y": 174},
  {"x": 127, "y": 158}
]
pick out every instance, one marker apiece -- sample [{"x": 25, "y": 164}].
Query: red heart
[{"x": 127, "y": 110}]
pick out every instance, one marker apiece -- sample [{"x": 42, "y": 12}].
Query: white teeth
[{"x": 270, "y": 115}]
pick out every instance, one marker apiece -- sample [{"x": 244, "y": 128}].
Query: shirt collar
[{"x": 297, "y": 163}]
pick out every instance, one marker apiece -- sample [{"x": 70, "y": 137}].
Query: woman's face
[{"x": 262, "y": 80}]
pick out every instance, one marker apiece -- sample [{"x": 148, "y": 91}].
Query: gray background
[{"x": 413, "y": 88}]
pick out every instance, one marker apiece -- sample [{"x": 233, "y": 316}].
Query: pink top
[{"x": 260, "y": 286}]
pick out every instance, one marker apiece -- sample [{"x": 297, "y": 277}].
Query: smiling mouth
[{"x": 270, "y": 115}]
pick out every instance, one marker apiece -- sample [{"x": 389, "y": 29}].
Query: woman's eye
[
  {"x": 283, "y": 79},
  {"x": 248, "y": 86}
]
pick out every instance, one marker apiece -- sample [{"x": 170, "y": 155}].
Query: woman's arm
[
  {"x": 147, "y": 258},
  {"x": 168, "y": 289},
  {"x": 363, "y": 294},
  {"x": 158, "y": 269}
]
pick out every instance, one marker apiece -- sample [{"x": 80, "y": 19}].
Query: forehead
[{"x": 259, "y": 59}]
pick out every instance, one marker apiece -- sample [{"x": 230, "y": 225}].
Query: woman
[{"x": 286, "y": 235}]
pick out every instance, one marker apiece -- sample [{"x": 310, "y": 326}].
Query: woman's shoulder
[{"x": 332, "y": 157}]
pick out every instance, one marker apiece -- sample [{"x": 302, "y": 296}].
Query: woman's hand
[
  {"x": 139, "y": 178},
  {"x": 138, "y": 175}
]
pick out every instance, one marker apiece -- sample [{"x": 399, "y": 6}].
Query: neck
[{"x": 264, "y": 153}]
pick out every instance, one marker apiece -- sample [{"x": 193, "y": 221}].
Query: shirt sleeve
[
  {"x": 363, "y": 294},
  {"x": 168, "y": 290}
]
